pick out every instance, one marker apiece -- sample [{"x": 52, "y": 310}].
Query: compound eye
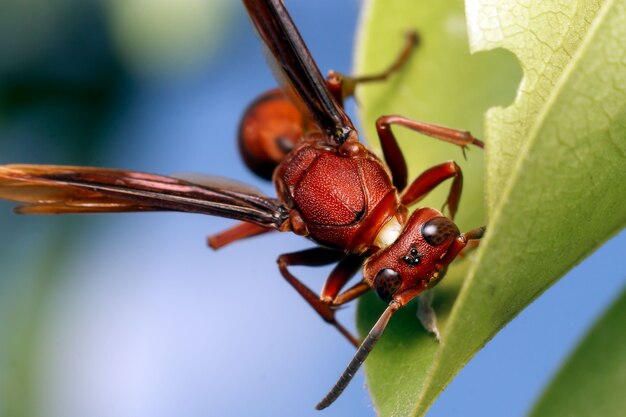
[
  {"x": 387, "y": 283},
  {"x": 439, "y": 230}
]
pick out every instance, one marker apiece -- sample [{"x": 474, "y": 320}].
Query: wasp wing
[
  {"x": 51, "y": 189},
  {"x": 292, "y": 62}
]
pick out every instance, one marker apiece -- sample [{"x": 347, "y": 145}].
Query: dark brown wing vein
[
  {"x": 295, "y": 63},
  {"x": 61, "y": 189}
]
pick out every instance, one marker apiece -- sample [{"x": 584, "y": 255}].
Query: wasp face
[{"x": 412, "y": 260}]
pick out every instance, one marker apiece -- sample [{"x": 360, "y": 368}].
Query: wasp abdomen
[{"x": 269, "y": 129}]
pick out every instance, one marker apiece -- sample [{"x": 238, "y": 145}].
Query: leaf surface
[{"x": 555, "y": 162}]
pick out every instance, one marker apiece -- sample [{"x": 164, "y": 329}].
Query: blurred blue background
[{"x": 132, "y": 315}]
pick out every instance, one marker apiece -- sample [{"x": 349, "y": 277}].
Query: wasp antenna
[{"x": 359, "y": 357}]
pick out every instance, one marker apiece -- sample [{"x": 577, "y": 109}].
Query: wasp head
[{"x": 412, "y": 261}]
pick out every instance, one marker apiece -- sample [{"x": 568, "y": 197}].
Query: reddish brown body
[
  {"x": 397, "y": 257},
  {"x": 269, "y": 129},
  {"x": 330, "y": 188},
  {"x": 339, "y": 201}
]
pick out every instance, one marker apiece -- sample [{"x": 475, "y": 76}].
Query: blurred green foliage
[{"x": 65, "y": 67}]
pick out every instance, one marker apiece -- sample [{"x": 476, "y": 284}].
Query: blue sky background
[{"x": 132, "y": 315}]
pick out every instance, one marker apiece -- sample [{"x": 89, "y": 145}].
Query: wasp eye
[
  {"x": 439, "y": 230},
  {"x": 387, "y": 283}
]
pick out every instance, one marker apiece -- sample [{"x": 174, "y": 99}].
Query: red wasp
[{"x": 329, "y": 187}]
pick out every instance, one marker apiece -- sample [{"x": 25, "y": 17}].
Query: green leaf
[
  {"x": 442, "y": 83},
  {"x": 544, "y": 35},
  {"x": 592, "y": 381},
  {"x": 555, "y": 162}
]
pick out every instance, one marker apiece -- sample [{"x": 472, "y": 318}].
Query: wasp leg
[
  {"x": 326, "y": 304},
  {"x": 343, "y": 86},
  {"x": 471, "y": 246},
  {"x": 462, "y": 138},
  {"x": 430, "y": 179},
  {"x": 459, "y": 244},
  {"x": 426, "y": 313},
  {"x": 393, "y": 154},
  {"x": 351, "y": 293},
  {"x": 239, "y": 231},
  {"x": 340, "y": 275}
]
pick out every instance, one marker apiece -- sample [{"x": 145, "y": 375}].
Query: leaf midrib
[{"x": 525, "y": 150}]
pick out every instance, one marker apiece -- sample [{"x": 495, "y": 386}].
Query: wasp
[{"x": 329, "y": 188}]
